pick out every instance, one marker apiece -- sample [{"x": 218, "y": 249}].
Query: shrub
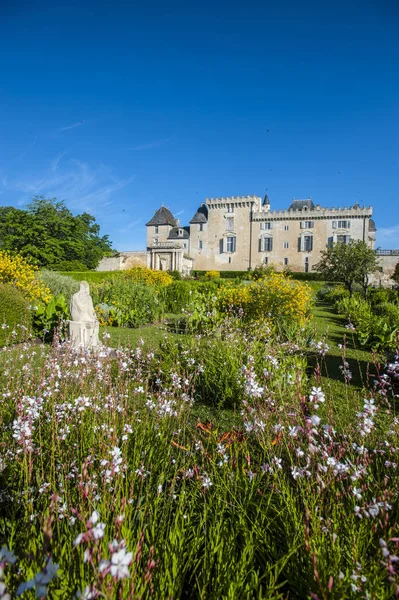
[
  {"x": 273, "y": 297},
  {"x": 176, "y": 275},
  {"x": 388, "y": 310},
  {"x": 148, "y": 276},
  {"x": 212, "y": 275},
  {"x": 262, "y": 271},
  {"x": 93, "y": 276},
  {"x": 336, "y": 293},
  {"x": 16, "y": 270},
  {"x": 49, "y": 317},
  {"x": 59, "y": 284},
  {"x": 125, "y": 303},
  {"x": 14, "y": 315}
]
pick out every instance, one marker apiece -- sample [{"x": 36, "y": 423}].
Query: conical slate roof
[
  {"x": 162, "y": 216},
  {"x": 372, "y": 226},
  {"x": 266, "y": 200},
  {"x": 201, "y": 216}
]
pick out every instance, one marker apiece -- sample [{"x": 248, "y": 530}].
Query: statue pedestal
[{"x": 84, "y": 334}]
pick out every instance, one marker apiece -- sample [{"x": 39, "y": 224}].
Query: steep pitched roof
[
  {"x": 301, "y": 204},
  {"x": 266, "y": 200},
  {"x": 174, "y": 233},
  {"x": 201, "y": 216},
  {"x": 162, "y": 216},
  {"x": 372, "y": 226}
]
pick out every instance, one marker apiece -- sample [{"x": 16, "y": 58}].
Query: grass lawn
[
  {"x": 152, "y": 335},
  {"x": 362, "y": 364}
]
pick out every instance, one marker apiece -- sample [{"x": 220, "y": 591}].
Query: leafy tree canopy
[
  {"x": 349, "y": 263},
  {"x": 48, "y": 232}
]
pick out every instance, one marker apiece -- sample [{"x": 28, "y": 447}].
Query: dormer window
[{"x": 180, "y": 233}]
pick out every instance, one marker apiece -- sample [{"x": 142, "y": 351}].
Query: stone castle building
[{"x": 240, "y": 233}]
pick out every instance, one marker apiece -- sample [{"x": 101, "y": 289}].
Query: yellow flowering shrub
[
  {"x": 212, "y": 275},
  {"x": 15, "y": 270},
  {"x": 148, "y": 276},
  {"x": 273, "y": 297}
]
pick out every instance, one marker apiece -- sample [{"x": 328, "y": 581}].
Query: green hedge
[
  {"x": 15, "y": 313},
  {"x": 223, "y": 274},
  {"x": 301, "y": 276},
  {"x": 91, "y": 276}
]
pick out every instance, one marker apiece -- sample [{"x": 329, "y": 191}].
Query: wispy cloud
[
  {"x": 82, "y": 186},
  {"x": 154, "y": 144},
  {"x": 77, "y": 124},
  {"x": 388, "y": 237},
  {"x": 179, "y": 213}
]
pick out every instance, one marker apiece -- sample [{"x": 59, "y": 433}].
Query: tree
[
  {"x": 48, "y": 232},
  {"x": 349, "y": 263}
]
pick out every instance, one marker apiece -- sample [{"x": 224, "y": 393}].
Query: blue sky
[{"x": 118, "y": 107}]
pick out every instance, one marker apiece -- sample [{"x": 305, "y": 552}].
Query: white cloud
[
  {"x": 82, "y": 186},
  {"x": 78, "y": 124},
  {"x": 388, "y": 237}
]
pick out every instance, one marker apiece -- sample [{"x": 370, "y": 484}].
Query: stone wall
[
  {"x": 125, "y": 260},
  {"x": 246, "y": 219}
]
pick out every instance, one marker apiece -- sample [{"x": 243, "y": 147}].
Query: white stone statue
[{"x": 84, "y": 326}]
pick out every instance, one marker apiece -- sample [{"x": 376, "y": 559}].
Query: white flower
[
  {"x": 206, "y": 482},
  {"x": 120, "y": 562},
  {"x": 94, "y": 517},
  {"x": 315, "y": 420},
  {"x": 98, "y": 531}
]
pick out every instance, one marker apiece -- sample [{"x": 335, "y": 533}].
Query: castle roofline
[
  {"x": 201, "y": 216},
  {"x": 162, "y": 216}
]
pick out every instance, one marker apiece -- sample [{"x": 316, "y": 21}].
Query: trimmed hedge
[
  {"x": 299, "y": 275},
  {"x": 15, "y": 313},
  {"x": 223, "y": 274},
  {"x": 91, "y": 276}
]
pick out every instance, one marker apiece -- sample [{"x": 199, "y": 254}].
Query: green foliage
[
  {"x": 177, "y": 296},
  {"x": 395, "y": 275},
  {"x": 68, "y": 265},
  {"x": 374, "y": 329},
  {"x": 14, "y": 314},
  {"x": 223, "y": 274},
  {"x": 48, "y": 232},
  {"x": 176, "y": 275},
  {"x": 349, "y": 263},
  {"x": 47, "y": 319},
  {"x": 93, "y": 276},
  {"x": 125, "y": 303},
  {"x": 262, "y": 271},
  {"x": 59, "y": 284}
]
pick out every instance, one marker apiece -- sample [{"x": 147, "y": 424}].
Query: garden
[{"x": 229, "y": 439}]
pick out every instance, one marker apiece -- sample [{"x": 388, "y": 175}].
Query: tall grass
[{"x": 110, "y": 491}]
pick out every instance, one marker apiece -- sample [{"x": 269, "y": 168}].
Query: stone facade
[
  {"x": 240, "y": 233},
  {"x": 388, "y": 260}
]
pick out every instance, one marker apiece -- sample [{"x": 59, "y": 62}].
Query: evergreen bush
[
  {"x": 15, "y": 315},
  {"x": 59, "y": 284}
]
